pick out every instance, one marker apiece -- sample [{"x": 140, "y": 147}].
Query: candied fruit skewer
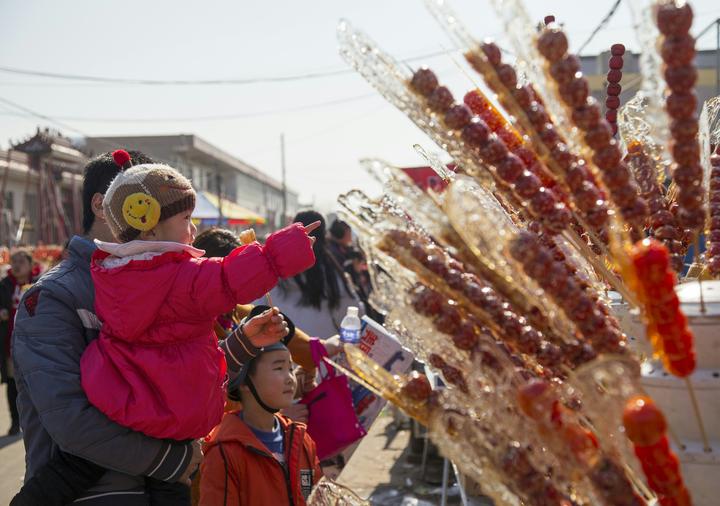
[
  {"x": 481, "y": 106},
  {"x": 668, "y": 328},
  {"x": 588, "y": 198},
  {"x": 492, "y": 151},
  {"x": 713, "y": 250},
  {"x": 469, "y": 335},
  {"x": 452, "y": 375},
  {"x": 493, "y": 310},
  {"x": 536, "y": 486},
  {"x": 606, "y": 154},
  {"x": 645, "y": 426},
  {"x": 523, "y": 345},
  {"x": 414, "y": 395},
  {"x": 538, "y": 263},
  {"x": 524, "y": 104},
  {"x": 673, "y": 19},
  {"x": 496, "y": 312},
  {"x": 662, "y": 223},
  {"x": 440, "y": 100},
  {"x": 511, "y": 293},
  {"x": 539, "y": 401},
  {"x": 613, "y": 88},
  {"x": 559, "y": 256}
]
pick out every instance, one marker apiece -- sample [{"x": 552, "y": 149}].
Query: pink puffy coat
[{"x": 156, "y": 366}]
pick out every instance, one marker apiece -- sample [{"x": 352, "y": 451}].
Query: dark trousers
[
  {"x": 12, "y": 394},
  {"x": 66, "y": 477}
]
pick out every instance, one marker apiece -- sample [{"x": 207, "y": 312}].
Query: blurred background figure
[
  {"x": 317, "y": 300},
  {"x": 20, "y": 276},
  {"x": 339, "y": 241}
]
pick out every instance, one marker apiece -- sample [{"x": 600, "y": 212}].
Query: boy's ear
[{"x": 96, "y": 204}]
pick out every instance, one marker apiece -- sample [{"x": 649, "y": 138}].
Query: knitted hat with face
[{"x": 142, "y": 196}]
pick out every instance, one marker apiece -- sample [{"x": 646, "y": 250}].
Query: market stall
[{"x": 547, "y": 284}]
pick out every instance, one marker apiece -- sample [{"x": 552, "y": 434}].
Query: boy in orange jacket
[{"x": 256, "y": 456}]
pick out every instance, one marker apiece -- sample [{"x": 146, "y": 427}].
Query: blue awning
[{"x": 204, "y": 209}]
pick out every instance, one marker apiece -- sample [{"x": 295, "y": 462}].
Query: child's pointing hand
[{"x": 310, "y": 229}]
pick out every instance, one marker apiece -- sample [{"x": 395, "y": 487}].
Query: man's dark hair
[
  {"x": 217, "y": 242},
  {"x": 99, "y": 173},
  {"x": 338, "y": 229}
]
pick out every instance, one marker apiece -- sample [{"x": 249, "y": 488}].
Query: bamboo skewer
[
  {"x": 697, "y": 261},
  {"x": 675, "y": 439},
  {"x": 698, "y": 416}
]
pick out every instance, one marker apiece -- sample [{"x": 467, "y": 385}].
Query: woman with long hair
[{"x": 317, "y": 299}]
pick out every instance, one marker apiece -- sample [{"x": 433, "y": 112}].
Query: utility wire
[
  {"x": 190, "y": 82},
  {"x": 600, "y": 25},
  {"x": 48, "y": 119},
  {"x": 201, "y": 82},
  {"x": 219, "y": 117}
]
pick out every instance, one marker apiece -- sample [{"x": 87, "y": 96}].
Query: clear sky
[{"x": 224, "y": 39}]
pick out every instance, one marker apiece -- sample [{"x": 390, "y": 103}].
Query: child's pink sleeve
[{"x": 216, "y": 285}]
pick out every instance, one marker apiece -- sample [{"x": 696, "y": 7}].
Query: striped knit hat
[{"x": 142, "y": 196}]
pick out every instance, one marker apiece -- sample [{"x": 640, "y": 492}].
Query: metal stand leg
[
  {"x": 445, "y": 479},
  {"x": 461, "y": 485},
  {"x": 423, "y": 465}
]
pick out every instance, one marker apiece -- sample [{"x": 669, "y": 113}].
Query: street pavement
[{"x": 12, "y": 455}]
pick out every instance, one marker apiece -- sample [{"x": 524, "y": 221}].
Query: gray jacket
[{"x": 54, "y": 324}]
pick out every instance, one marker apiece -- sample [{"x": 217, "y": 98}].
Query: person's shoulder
[
  {"x": 66, "y": 285},
  {"x": 65, "y": 279}
]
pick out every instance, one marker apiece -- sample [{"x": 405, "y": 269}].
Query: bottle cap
[{"x": 352, "y": 311}]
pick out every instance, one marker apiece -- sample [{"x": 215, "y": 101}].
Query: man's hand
[
  {"x": 266, "y": 328},
  {"x": 297, "y": 412},
  {"x": 4, "y": 314},
  {"x": 333, "y": 345},
  {"x": 186, "y": 476},
  {"x": 305, "y": 381}
]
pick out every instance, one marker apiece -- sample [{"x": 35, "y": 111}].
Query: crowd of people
[{"x": 146, "y": 368}]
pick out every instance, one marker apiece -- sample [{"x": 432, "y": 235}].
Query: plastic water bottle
[{"x": 350, "y": 326}]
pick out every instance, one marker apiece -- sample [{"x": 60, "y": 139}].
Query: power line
[
  {"x": 203, "y": 82},
  {"x": 220, "y": 117},
  {"x": 199, "y": 82},
  {"x": 48, "y": 118},
  {"x": 41, "y": 116},
  {"x": 172, "y": 82},
  {"x": 601, "y": 25}
]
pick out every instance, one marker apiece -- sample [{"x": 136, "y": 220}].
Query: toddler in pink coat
[{"x": 156, "y": 366}]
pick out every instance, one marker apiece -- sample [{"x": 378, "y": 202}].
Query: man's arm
[{"x": 48, "y": 343}]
